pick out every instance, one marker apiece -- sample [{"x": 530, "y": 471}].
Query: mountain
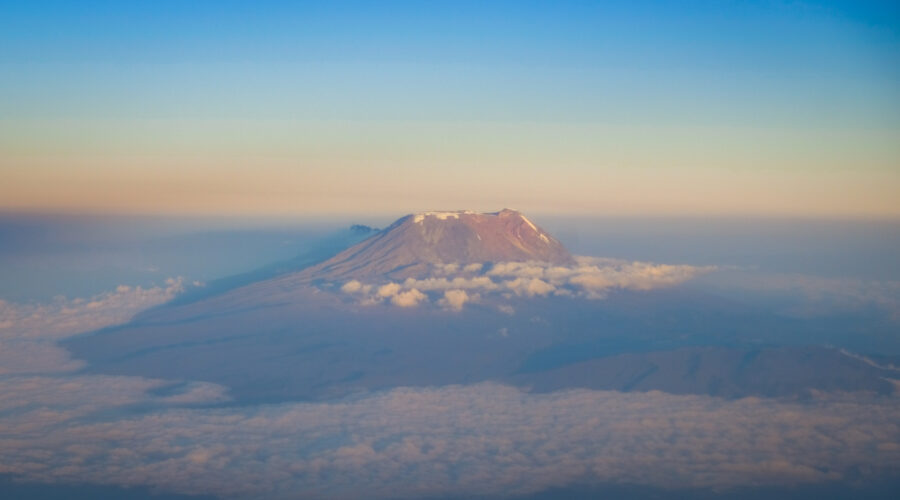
[
  {"x": 413, "y": 244},
  {"x": 298, "y": 335},
  {"x": 305, "y": 344}
]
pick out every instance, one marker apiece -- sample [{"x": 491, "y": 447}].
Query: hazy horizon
[{"x": 704, "y": 108}]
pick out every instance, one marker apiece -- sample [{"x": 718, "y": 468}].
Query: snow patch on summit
[{"x": 420, "y": 218}]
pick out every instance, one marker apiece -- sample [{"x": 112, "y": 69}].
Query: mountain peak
[
  {"x": 414, "y": 243},
  {"x": 455, "y": 214}
]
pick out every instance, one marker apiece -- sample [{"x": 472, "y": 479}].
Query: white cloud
[
  {"x": 530, "y": 287},
  {"x": 455, "y": 299},
  {"x": 589, "y": 278},
  {"x": 484, "y": 439},
  {"x": 351, "y": 286},
  {"x": 389, "y": 290},
  {"x": 408, "y": 298},
  {"x": 394, "y": 293},
  {"x": 459, "y": 282},
  {"x": 473, "y": 268},
  {"x": 518, "y": 269}
]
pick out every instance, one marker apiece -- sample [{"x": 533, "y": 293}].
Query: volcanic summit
[{"x": 413, "y": 244}]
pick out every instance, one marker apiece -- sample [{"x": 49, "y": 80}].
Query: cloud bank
[
  {"x": 28, "y": 331},
  {"x": 64, "y": 317},
  {"x": 452, "y": 285},
  {"x": 820, "y": 296},
  {"x": 483, "y": 439},
  {"x": 458, "y": 440}
]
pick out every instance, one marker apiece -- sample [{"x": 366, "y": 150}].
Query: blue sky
[{"x": 375, "y": 88}]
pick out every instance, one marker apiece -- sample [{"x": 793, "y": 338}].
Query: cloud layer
[
  {"x": 488, "y": 438},
  {"x": 452, "y": 285},
  {"x": 819, "y": 296},
  {"x": 481, "y": 439},
  {"x": 64, "y": 317},
  {"x": 28, "y": 331}
]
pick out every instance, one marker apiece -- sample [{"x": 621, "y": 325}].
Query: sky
[{"x": 602, "y": 108}]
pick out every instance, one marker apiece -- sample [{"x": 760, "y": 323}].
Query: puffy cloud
[
  {"x": 408, "y": 298},
  {"x": 473, "y": 268},
  {"x": 355, "y": 287},
  {"x": 518, "y": 269},
  {"x": 389, "y": 290},
  {"x": 484, "y": 439},
  {"x": 455, "y": 299},
  {"x": 401, "y": 295},
  {"x": 530, "y": 286},
  {"x": 455, "y": 268},
  {"x": 395, "y": 293},
  {"x": 478, "y": 282},
  {"x": 589, "y": 277},
  {"x": 593, "y": 276}
]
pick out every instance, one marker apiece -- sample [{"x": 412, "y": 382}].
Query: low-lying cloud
[
  {"x": 815, "y": 296},
  {"x": 484, "y": 439},
  {"x": 590, "y": 278},
  {"x": 64, "y": 317},
  {"x": 456, "y": 299},
  {"x": 28, "y": 332}
]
